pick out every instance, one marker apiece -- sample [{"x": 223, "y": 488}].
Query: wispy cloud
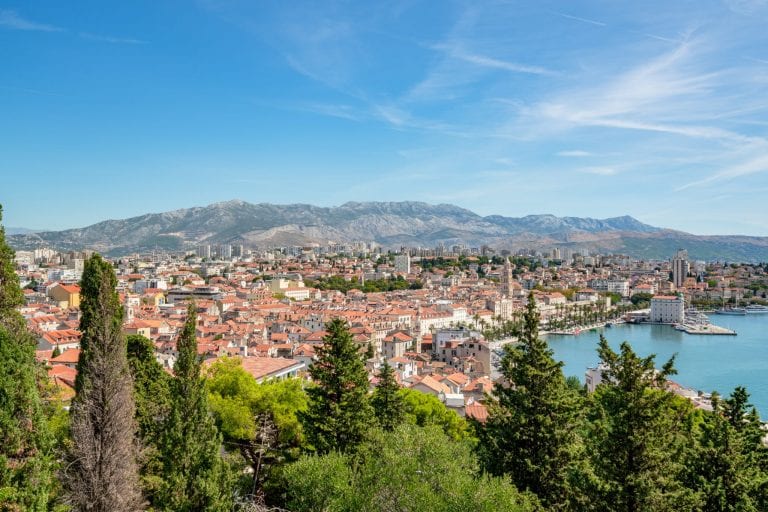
[
  {"x": 578, "y": 153},
  {"x": 10, "y": 19},
  {"x": 600, "y": 171},
  {"x": 30, "y": 91},
  {"x": 491, "y": 62},
  {"x": 110, "y": 39},
  {"x": 758, "y": 164},
  {"x": 661, "y": 95},
  {"x": 335, "y": 110},
  {"x": 578, "y": 18},
  {"x": 662, "y": 38},
  {"x": 753, "y": 59}
]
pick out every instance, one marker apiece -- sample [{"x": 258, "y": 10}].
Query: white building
[
  {"x": 593, "y": 377},
  {"x": 403, "y": 263},
  {"x": 620, "y": 286},
  {"x": 291, "y": 289},
  {"x": 667, "y": 309}
]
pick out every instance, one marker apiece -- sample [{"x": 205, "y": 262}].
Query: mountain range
[{"x": 391, "y": 224}]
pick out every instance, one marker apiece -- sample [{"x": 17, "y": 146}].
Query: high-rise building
[
  {"x": 403, "y": 263},
  {"x": 204, "y": 251},
  {"x": 680, "y": 268},
  {"x": 225, "y": 251}
]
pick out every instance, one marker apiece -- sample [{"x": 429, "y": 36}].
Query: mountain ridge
[{"x": 388, "y": 223}]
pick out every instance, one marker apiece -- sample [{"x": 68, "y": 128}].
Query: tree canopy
[{"x": 339, "y": 414}]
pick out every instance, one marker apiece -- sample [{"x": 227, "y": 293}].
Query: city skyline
[{"x": 589, "y": 110}]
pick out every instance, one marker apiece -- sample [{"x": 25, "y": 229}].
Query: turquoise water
[{"x": 708, "y": 363}]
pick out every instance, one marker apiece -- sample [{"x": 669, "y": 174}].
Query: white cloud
[
  {"x": 758, "y": 164},
  {"x": 601, "y": 171},
  {"x": 577, "y": 153},
  {"x": 12, "y": 20},
  {"x": 456, "y": 52},
  {"x": 578, "y": 18},
  {"x": 110, "y": 39}
]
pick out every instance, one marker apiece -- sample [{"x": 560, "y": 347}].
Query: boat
[
  {"x": 756, "y": 308},
  {"x": 695, "y": 317},
  {"x": 731, "y": 311}
]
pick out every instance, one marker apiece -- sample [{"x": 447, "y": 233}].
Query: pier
[{"x": 709, "y": 329}]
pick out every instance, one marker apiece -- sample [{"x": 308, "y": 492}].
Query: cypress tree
[
  {"x": 388, "y": 404},
  {"x": 25, "y": 440},
  {"x": 339, "y": 412},
  {"x": 102, "y": 474},
  {"x": 151, "y": 391},
  {"x": 530, "y": 433},
  {"x": 195, "y": 476}
]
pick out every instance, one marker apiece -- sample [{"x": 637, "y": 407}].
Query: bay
[{"x": 707, "y": 363}]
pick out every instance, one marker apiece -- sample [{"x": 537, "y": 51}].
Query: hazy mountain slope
[{"x": 391, "y": 224}]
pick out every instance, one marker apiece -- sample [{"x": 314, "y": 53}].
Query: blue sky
[{"x": 653, "y": 109}]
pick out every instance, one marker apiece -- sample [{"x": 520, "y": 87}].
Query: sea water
[{"x": 704, "y": 362}]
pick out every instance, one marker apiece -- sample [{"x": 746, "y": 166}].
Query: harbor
[
  {"x": 696, "y": 322},
  {"x": 703, "y": 361}
]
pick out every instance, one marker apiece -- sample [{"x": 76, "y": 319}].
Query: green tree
[
  {"x": 26, "y": 459},
  {"x": 102, "y": 474},
  {"x": 742, "y": 415},
  {"x": 638, "y": 435},
  {"x": 259, "y": 420},
  {"x": 530, "y": 433},
  {"x": 411, "y": 468},
  {"x": 196, "y": 478},
  {"x": 339, "y": 412},
  {"x": 720, "y": 468},
  {"x": 388, "y": 405},
  {"x": 424, "y": 410},
  {"x": 25, "y": 453},
  {"x": 151, "y": 392}
]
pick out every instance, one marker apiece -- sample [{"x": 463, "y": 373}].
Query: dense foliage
[
  {"x": 259, "y": 420},
  {"x": 369, "y": 286},
  {"x": 25, "y": 440},
  {"x": 411, "y": 468}
]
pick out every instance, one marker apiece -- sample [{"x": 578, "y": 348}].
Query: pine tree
[
  {"x": 25, "y": 440},
  {"x": 719, "y": 468},
  {"x": 102, "y": 474},
  {"x": 196, "y": 478},
  {"x": 530, "y": 433},
  {"x": 339, "y": 412},
  {"x": 388, "y": 404},
  {"x": 638, "y": 435}
]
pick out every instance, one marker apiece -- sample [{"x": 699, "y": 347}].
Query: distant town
[{"x": 439, "y": 315}]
